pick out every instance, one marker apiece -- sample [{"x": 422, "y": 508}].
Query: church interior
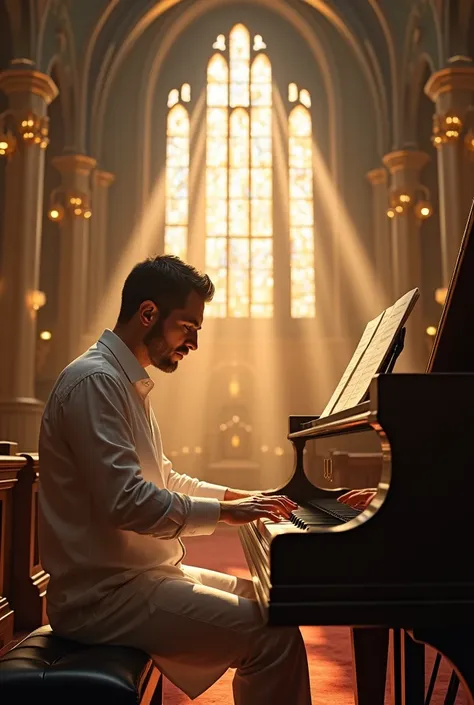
[{"x": 315, "y": 158}]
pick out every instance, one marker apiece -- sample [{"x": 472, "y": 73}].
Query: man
[{"x": 113, "y": 511}]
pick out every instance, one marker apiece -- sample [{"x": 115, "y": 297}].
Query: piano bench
[{"x": 49, "y": 670}]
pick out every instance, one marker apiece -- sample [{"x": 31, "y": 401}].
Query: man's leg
[{"x": 276, "y": 651}]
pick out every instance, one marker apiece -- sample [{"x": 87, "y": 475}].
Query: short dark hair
[{"x": 167, "y": 281}]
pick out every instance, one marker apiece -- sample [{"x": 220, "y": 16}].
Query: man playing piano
[{"x": 113, "y": 511}]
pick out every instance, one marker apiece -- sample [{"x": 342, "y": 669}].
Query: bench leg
[
  {"x": 157, "y": 697},
  {"x": 153, "y": 694}
]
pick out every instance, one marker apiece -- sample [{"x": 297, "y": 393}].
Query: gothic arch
[{"x": 103, "y": 85}]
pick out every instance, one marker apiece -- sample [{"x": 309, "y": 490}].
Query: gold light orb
[
  {"x": 431, "y": 331},
  {"x": 46, "y": 335}
]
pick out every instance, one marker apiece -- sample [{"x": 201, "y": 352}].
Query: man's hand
[
  {"x": 358, "y": 499},
  {"x": 247, "y": 509}
]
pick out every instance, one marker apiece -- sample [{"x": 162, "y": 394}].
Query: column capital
[
  {"x": 377, "y": 176},
  {"x": 74, "y": 164},
  {"x": 28, "y": 81},
  {"x": 405, "y": 160},
  {"x": 104, "y": 178},
  {"x": 449, "y": 80}
]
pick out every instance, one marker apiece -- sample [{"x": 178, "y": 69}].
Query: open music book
[{"x": 371, "y": 354}]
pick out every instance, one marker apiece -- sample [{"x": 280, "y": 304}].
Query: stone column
[
  {"x": 25, "y": 124},
  {"x": 75, "y": 170},
  {"x": 381, "y": 228},
  {"x": 405, "y": 167},
  {"x": 97, "y": 268},
  {"x": 451, "y": 90}
]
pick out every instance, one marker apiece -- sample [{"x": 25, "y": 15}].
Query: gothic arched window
[{"x": 239, "y": 182}]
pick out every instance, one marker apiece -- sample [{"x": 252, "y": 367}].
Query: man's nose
[{"x": 192, "y": 342}]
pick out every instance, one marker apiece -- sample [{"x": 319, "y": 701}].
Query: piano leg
[{"x": 369, "y": 658}]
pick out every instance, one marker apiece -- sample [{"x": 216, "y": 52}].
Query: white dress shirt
[{"x": 111, "y": 506}]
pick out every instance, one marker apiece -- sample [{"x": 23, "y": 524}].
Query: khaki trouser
[{"x": 198, "y": 624}]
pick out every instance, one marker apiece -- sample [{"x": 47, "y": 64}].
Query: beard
[{"x": 158, "y": 349}]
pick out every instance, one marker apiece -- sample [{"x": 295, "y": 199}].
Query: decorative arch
[{"x": 176, "y": 27}]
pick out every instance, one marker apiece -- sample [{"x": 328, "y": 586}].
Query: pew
[
  {"x": 29, "y": 580},
  {"x": 10, "y": 467}
]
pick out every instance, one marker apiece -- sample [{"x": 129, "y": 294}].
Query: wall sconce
[
  {"x": 28, "y": 129},
  {"x": 419, "y": 200},
  {"x": 35, "y": 299},
  {"x": 446, "y": 128},
  {"x": 76, "y": 204}
]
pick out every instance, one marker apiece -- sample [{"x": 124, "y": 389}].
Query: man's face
[{"x": 171, "y": 339}]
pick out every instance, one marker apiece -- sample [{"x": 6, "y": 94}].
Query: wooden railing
[{"x": 10, "y": 467}]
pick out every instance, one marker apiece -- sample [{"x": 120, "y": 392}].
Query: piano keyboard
[{"x": 322, "y": 512}]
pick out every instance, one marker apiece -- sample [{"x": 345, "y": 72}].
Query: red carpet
[{"x": 328, "y": 648}]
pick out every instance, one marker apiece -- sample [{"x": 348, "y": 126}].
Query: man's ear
[{"x": 148, "y": 311}]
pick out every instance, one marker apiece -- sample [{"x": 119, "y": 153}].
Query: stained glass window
[
  {"x": 239, "y": 183},
  {"x": 301, "y": 213},
  {"x": 177, "y": 179}
]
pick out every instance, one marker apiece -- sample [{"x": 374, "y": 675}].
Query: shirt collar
[{"x": 137, "y": 375}]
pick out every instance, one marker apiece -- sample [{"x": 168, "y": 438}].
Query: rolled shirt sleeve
[{"x": 98, "y": 430}]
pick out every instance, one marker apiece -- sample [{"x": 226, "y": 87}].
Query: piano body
[{"x": 404, "y": 563}]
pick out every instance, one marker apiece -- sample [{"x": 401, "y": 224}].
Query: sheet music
[
  {"x": 365, "y": 340},
  {"x": 376, "y": 352}
]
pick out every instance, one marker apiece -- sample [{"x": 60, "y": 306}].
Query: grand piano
[{"x": 402, "y": 567}]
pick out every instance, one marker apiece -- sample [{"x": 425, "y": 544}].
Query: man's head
[{"x": 162, "y": 310}]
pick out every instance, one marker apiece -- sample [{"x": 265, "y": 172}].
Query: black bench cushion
[{"x": 53, "y": 670}]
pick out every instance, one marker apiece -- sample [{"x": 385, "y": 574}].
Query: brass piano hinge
[{"x": 328, "y": 469}]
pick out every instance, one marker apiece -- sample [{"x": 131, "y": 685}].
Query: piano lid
[{"x": 453, "y": 348}]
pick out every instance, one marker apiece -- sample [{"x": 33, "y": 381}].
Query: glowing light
[
  {"x": 54, "y": 214},
  {"x": 46, "y": 335},
  {"x": 198, "y": 450},
  {"x": 390, "y": 213},
  {"x": 173, "y": 97},
  {"x": 36, "y": 299},
  {"x": 301, "y": 213},
  {"x": 219, "y": 43},
  {"x": 236, "y": 419},
  {"x": 305, "y": 98},
  {"x": 405, "y": 198},
  {"x": 185, "y": 450},
  {"x": 279, "y": 451},
  {"x": 235, "y": 441},
  {"x": 440, "y": 295},
  {"x": 223, "y": 427},
  {"x": 185, "y": 92},
  {"x": 431, "y": 331},
  {"x": 264, "y": 449},
  {"x": 258, "y": 43},
  {"x": 177, "y": 182},
  {"x": 4, "y": 145},
  {"x": 292, "y": 92},
  {"x": 234, "y": 388},
  {"x": 87, "y": 214}
]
